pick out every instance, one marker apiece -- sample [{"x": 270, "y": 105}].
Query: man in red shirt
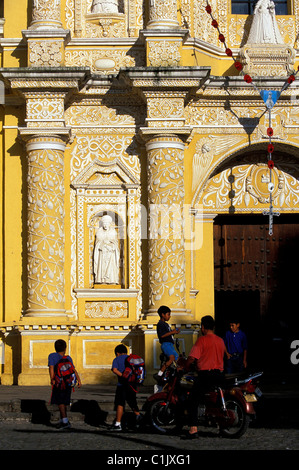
[{"x": 208, "y": 355}]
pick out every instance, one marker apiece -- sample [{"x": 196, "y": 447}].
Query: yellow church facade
[{"x": 135, "y": 173}]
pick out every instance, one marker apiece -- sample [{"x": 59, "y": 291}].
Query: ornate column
[
  {"x": 45, "y": 221},
  {"x": 45, "y": 137},
  {"x": 46, "y": 14},
  {"x": 46, "y": 38},
  {"x": 163, "y": 14},
  {"x": 166, "y": 92},
  {"x": 163, "y": 34},
  {"x": 166, "y": 192},
  {"x": 44, "y": 93}
]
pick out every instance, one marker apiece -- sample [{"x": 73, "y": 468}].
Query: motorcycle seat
[{"x": 231, "y": 378}]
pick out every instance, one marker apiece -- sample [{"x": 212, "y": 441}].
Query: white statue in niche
[
  {"x": 264, "y": 28},
  {"x": 104, "y": 6},
  {"x": 106, "y": 253}
]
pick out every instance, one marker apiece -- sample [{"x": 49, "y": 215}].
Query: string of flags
[{"x": 270, "y": 98}]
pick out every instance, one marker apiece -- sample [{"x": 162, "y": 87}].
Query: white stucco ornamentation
[
  {"x": 45, "y": 227},
  {"x": 166, "y": 237},
  {"x": 46, "y": 13}
]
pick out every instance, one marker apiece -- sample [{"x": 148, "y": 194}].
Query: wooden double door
[{"x": 257, "y": 280}]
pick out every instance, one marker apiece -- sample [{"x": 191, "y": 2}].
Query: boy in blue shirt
[
  {"x": 124, "y": 392},
  {"x": 236, "y": 345},
  {"x": 165, "y": 335},
  {"x": 59, "y": 397}
]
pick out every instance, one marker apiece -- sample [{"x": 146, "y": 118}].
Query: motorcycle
[{"x": 230, "y": 406}]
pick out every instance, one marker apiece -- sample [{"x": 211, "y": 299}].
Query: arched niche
[{"x": 106, "y": 188}]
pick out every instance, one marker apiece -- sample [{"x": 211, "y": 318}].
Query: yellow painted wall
[{"x": 104, "y": 124}]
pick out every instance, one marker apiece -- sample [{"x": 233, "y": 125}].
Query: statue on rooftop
[
  {"x": 264, "y": 28},
  {"x": 104, "y": 6}
]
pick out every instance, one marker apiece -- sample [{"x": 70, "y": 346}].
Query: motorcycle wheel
[
  {"x": 240, "y": 420},
  {"x": 163, "y": 416}
]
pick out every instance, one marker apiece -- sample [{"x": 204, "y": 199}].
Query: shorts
[
  {"x": 169, "y": 350},
  {"x": 123, "y": 394},
  {"x": 61, "y": 397}
]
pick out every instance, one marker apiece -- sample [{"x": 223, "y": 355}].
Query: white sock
[
  {"x": 117, "y": 423},
  {"x": 65, "y": 420},
  {"x": 160, "y": 372}
]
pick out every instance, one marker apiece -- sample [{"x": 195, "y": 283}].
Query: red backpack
[
  {"x": 65, "y": 373},
  {"x": 135, "y": 369}
]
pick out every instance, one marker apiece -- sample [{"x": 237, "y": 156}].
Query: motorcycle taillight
[{"x": 250, "y": 388}]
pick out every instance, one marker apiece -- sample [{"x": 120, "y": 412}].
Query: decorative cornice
[
  {"x": 106, "y": 293},
  {"x": 176, "y": 77},
  {"x": 28, "y": 133},
  {"x": 237, "y": 82},
  {"x": 149, "y": 133},
  {"x": 47, "y": 34},
  {"x": 42, "y": 78},
  {"x": 164, "y": 33}
]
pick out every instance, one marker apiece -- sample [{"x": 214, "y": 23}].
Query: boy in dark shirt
[{"x": 165, "y": 335}]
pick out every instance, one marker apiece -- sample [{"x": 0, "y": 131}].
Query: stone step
[
  {"x": 92, "y": 404},
  {"x": 39, "y": 411},
  {"x": 15, "y": 416}
]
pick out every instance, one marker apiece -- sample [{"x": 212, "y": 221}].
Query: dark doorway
[
  {"x": 256, "y": 277},
  {"x": 243, "y": 306}
]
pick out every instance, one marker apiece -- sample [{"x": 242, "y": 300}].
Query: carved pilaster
[
  {"x": 45, "y": 221},
  {"x": 46, "y": 14},
  {"x": 163, "y": 14},
  {"x": 46, "y": 39},
  {"x": 45, "y": 136},
  {"x": 166, "y": 93},
  {"x": 166, "y": 223},
  {"x": 163, "y": 35}
]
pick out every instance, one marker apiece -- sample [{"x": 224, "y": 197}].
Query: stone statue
[
  {"x": 104, "y": 6},
  {"x": 264, "y": 28},
  {"x": 106, "y": 253}
]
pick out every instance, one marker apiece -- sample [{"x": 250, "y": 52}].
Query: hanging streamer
[{"x": 270, "y": 98}]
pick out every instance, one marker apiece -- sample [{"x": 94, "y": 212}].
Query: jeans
[{"x": 234, "y": 364}]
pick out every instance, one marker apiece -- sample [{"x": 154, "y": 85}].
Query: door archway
[{"x": 256, "y": 274}]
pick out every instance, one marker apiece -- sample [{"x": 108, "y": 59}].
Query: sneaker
[
  {"x": 116, "y": 427},
  {"x": 158, "y": 378},
  {"x": 158, "y": 388},
  {"x": 138, "y": 421},
  {"x": 62, "y": 425}
]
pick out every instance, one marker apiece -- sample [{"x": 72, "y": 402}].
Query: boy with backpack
[
  {"x": 129, "y": 377},
  {"x": 63, "y": 376}
]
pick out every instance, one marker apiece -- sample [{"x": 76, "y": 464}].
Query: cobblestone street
[
  {"x": 29, "y": 436},
  {"x": 276, "y": 426}
]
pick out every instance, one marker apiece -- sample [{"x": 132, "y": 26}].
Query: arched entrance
[
  {"x": 256, "y": 280},
  {"x": 256, "y": 275}
]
